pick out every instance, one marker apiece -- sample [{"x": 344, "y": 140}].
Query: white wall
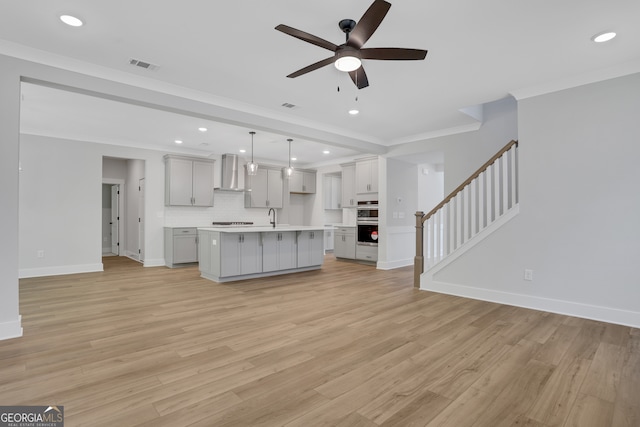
[
  {"x": 463, "y": 153},
  {"x": 60, "y": 207},
  {"x": 400, "y": 199},
  {"x": 64, "y": 219},
  {"x": 579, "y": 209},
  {"x": 466, "y": 152},
  {"x": 430, "y": 186}
]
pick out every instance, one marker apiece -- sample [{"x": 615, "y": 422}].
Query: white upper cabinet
[
  {"x": 263, "y": 190},
  {"x": 188, "y": 181},
  {"x": 302, "y": 181},
  {"x": 349, "y": 185},
  {"x": 367, "y": 176}
]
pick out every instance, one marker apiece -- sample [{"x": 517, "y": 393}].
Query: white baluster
[
  {"x": 482, "y": 201},
  {"x": 505, "y": 184},
  {"x": 495, "y": 173},
  {"x": 514, "y": 175}
]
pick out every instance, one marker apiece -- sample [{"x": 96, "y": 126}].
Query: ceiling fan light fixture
[
  {"x": 348, "y": 63},
  {"x": 71, "y": 21},
  {"x": 603, "y": 37}
]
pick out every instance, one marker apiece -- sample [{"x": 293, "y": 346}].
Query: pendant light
[
  {"x": 288, "y": 171},
  {"x": 252, "y": 167}
]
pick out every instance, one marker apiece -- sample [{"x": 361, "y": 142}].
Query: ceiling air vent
[
  {"x": 287, "y": 105},
  {"x": 143, "y": 64}
]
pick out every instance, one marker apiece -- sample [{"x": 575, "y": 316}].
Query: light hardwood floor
[{"x": 347, "y": 345}]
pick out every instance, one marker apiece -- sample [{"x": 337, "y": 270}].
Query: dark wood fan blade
[
  {"x": 393, "y": 53},
  {"x": 309, "y": 38},
  {"x": 369, "y": 23},
  {"x": 359, "y": 77},
  {"x": 312, "y": 67}
]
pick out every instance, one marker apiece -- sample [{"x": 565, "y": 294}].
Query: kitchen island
[{"x": 238, "y": 253}]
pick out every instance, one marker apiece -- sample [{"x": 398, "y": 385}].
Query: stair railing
[{"x": 475, "y": 204}]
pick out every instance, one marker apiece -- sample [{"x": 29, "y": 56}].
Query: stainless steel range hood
[{"x": 230, "y": 172}]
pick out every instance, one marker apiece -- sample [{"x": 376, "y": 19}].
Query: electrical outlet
[
  {"x": 40, "y": 254},
  {"x": 395, "y": 215},
  {"x": 528, "y": 275},
  {"x": 401, "y": 215}
]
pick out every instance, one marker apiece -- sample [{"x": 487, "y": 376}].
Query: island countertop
[{"x": 263, "y": 228}]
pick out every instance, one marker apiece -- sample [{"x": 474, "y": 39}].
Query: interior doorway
[
  {"x": 141, "y": 220},
  {"x": 113, "y": 223}
]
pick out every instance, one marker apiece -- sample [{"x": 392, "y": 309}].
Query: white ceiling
[{"x": 478, "y": 52}]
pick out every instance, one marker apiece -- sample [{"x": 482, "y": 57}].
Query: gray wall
[
  {"x": 10, "y": 325},
  {"x": 579, "y": 209}
]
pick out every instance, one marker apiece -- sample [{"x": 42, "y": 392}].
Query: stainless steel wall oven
[{"x": 367, "y": 223}]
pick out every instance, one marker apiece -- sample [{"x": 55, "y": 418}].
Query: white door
[
  {"x": 115, "y": 219},
  {"x": 141, "y": 220}
]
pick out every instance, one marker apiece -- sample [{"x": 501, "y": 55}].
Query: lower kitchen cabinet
[
  {"x": 228, "y": 255},
  {"x": 242, "y": 254},
  {"x": 279, "y": 251},
  {"x": 344, "y": 242},
  {"x": 310, "y": 248},
  {"x": 180, "y": 246},
  {"x": 328, "y": 239}
]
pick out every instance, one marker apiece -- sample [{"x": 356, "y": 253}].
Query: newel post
[{"x": 418, "y": 261}]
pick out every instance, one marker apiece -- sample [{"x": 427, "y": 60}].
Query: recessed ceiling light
[
  {"x": 177, "y": 141},
  {"x": 354, "y": 112},
  {"x": 293, "y": 159},
  {"x": 71, "y": 20},
  {"x": 603, "y": 37},
  {"x": 326, "y": 152},
  {"x": 242, "y": 150},
  {"x": 202, "y": 129}
]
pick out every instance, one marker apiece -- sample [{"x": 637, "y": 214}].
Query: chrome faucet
[{"x": 274, "y": 217}]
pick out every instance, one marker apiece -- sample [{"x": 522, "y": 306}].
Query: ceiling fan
[{"x": 348, "y": 56}]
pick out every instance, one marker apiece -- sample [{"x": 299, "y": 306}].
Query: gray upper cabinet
[
  {"x": 188, "y": 181},
  {"x": 349, "y": 185},
  {"x": 263, "y": 190},
  {"x": 367, "y": 176},
  {"x": 303, "y": 182}
]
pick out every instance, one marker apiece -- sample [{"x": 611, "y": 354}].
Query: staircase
[{"x": 481, "y": 204}]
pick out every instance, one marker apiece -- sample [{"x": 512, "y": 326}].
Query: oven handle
[
  {"x": 366, "y": 244},
  {"x": 367, "y": 222}
]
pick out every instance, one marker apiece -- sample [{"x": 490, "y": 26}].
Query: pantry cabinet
[{"x": 332, "y": 189}]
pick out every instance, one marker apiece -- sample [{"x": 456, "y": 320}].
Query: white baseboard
[
  {"x": 154, "y": 262},
  {"x": 11, "y": 329},
  {"x": 24, "y": 273},
  {"x": 390, "y": 265},
  {"x": 569, "y": 308}
]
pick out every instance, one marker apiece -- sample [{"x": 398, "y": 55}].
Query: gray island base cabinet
[{"x": 239, "y": 253}]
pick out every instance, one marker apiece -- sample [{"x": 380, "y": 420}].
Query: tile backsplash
[{"x": 228, "y": 206}]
